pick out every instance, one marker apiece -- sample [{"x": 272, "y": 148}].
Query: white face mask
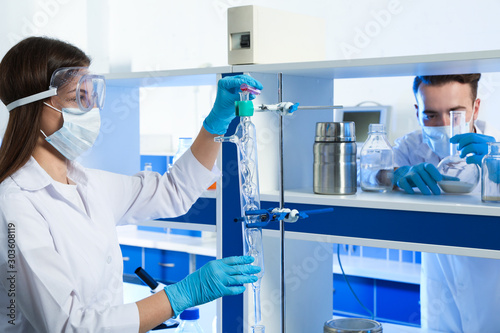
[
  {"x": 78, "y": 134},
  {"x": 438, "y": 138}
]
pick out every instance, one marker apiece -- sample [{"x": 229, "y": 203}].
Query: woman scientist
[{"x": 61, "y": 264}]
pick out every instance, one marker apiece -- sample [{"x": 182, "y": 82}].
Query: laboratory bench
[
  {"x": 454, "y": 224},
  {"x": 168, "y": 258},
  {"x": 170, "y": 249}
]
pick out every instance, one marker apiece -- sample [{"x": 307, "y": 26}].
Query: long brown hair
[{"x": 26, "y": 70}]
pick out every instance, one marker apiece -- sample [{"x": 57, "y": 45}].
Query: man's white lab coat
[{"x": 458, "y": 294}]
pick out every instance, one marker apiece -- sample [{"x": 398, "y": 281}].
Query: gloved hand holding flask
[
  {"x": 474, "y": 144},
  {"x": 217, "y": 278},
  {"x": 222, "y": 113}
]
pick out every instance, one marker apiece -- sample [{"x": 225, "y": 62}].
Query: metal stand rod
[
  {"x": 320, "y": 107},
  {"x": 282, "y": 205}
]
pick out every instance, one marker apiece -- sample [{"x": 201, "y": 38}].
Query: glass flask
[
  {"x": 376, "y": 161},
  {"x": 490, "y": 182},
  {"x": 461, "y": 177}
]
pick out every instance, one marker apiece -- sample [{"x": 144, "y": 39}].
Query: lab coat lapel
[{"x": 31, "y": 176}]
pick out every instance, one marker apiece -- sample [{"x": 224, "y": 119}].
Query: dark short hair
[{"x": 439, "y": 80}]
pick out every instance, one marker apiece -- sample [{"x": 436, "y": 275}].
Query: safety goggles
[{"x": 73, "y": 88}]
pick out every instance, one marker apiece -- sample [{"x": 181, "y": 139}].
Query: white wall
[{"x": 124, "y": 35}]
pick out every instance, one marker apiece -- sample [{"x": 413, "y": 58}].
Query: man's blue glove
[
  {"x": 222, "y": 113},
  {"x": 424, "y": 176},
  {"x": 474, "y": 143},
  {"x": 215, "y": 279}
]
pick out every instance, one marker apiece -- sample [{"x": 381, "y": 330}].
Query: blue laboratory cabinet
[{"x": 452, "y": 224}]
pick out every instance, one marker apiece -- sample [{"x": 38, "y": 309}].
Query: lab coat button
[{"x": 109, "y": 260}]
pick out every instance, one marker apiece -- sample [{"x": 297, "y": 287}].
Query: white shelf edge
[
  {"x": 386, "y": 244},
  {"x": 379, "y": 61},
  {"x": 383, "y": 66},
  {"x": 167, "y": 73},
  {"x": 179, "y": 225},
  {"x": 468, "y": 204},
  {"x": 439, "y": 63},
  {"x": 179, "y": 243}
]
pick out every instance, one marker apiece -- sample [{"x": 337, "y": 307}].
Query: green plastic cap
[{"x": 244, "y": 108}]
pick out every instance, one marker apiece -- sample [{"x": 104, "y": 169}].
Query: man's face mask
[{"x": 79, "y": 96}]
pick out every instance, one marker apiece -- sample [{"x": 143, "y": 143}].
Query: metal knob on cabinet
[
  {"x": 166, "y": 264},
  {"x": 126, "y": 258}
]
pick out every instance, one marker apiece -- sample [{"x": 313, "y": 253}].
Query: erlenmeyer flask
[{"x": 467, "y": 175}]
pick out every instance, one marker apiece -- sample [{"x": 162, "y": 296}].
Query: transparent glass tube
[
  {"x": 245, "y": 140},
  {"x": 459, "y": 177},
  {"x": 457, "y": 126}
]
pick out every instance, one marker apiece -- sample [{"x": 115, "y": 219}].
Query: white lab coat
[
  {"x": 458, "y": 294},
  {"x": 67, "y": 268}
]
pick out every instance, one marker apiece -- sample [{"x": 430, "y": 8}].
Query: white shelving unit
[
  {"x": 312, "y": 83},
  {"x": 432, "y": 64}
]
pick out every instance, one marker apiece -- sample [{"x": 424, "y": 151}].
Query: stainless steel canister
[
  {"x": 335, "y": 158},
  {"x": 352, "y": 325}
]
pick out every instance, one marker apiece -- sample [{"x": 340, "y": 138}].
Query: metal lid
[
  {"x": 336, "y": 132},
  {"x": 352, "y": 325}
]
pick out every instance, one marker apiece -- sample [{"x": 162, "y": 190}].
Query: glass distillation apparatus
[
  {"x": 253, "y": 218},
  {"x": 460, "y": 176},
  {"x": 246, "y": 142}
]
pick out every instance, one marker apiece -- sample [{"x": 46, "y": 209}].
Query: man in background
[{"x": 458, "y": 294}]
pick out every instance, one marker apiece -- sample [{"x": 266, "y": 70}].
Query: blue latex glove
[
  {"x": 472, "y": 143},
  {"x": 424, "y": 176},
  {"x": 222, "y": 113},
  {"x": 215, "y": 279}
]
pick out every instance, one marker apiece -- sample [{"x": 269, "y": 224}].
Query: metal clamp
[
  {"x": 284, "y": 108},
  {"x": 287, "y": 108},
  {"x": 276, "y": 214}
]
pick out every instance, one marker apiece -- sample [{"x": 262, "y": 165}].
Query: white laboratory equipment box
[{"x": 259, "y": 35}]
